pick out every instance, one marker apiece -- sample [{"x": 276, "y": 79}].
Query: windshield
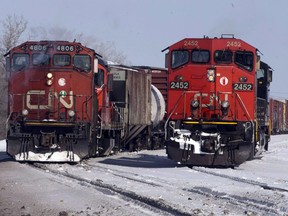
[
  {"x": 82, "y": 62},
  {"x": 40, "y": 59},
  {"x": 244, "y": 59},
  {"x": 223, "y": 56},
  {"x": 61, "y": 60},
  {"x": 20, "y": 61},
  {"x": 200, "y": 56},
  {"x": 179, "y": 58}
]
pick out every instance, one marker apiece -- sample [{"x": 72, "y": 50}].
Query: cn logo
[
  {"x": 50, "y": 95},
  {"x": 224, "y": 81}
]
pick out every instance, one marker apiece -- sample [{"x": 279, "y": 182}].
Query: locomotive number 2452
[
  {"x": 179, "y": 85},
  {"x": 243, "y": 86}
]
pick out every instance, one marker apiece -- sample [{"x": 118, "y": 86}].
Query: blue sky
[{"x": 140, "y": 29}]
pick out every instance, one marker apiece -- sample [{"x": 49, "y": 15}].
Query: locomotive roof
[
  {"x": 43, "y": 42},
  {"x": 213, "y": 41}
]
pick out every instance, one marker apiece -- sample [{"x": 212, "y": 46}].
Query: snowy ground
[{"x": 146, "y": 183}]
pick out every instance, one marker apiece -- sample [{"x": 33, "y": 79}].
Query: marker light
[
  {"x": 178, "y": 78},
  {"x": 243, "y": 79}
]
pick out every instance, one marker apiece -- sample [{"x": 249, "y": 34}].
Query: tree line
[{"x": 15, "y": 30}]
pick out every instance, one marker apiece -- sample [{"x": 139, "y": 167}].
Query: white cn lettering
[
  {"x": 63, "y": 102},
  {"x": 37, "y": 106},
  {"x": 47, "y": 106}
]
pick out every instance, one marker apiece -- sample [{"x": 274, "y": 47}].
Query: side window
[
  {"x": 179, "y": 58},
  {"x": 244, "y": 60},
  {"x": 223, "y": 56},
  {"x": 99, "y": 78},
  {"x": 40, "y": 59},
  {"x": 200, "y": 56},
  {"x": 82, "y": 62},
  {"x": 20, "y": 61},
  {"x": 61, "y": 60}
]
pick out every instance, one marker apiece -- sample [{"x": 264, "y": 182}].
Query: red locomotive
[
  {"x": 217, "y": 109},
  {"x": 65, "y": 103}
]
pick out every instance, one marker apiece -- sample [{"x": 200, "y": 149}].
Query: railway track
[
  {"x": 237, "y": 179},
  {"x": 161, "y": 205},
  {"x": 254, "y": 204}
]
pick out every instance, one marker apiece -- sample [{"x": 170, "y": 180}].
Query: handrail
[
  {"x": 244, "y": 107},
  {"x": 175, "y": 106},
  {"x": 184, "y": 93}
]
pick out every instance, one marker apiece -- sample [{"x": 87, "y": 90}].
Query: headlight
[
  {"x": 225, "y": 104},
  {"x": 49, "y": 75},
  {"x": 211, "y": 75},
  {"x": 49, "y": 82},
  {"x": 25, "y": 112},
  {"x": 195, "y": 103},
  {"x": 71, "y": 113}
]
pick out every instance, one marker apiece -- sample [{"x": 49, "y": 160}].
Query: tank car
[{"x": 217, "y": 107}]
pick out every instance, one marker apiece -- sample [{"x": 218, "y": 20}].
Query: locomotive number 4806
[{"x": 179, "y": 85}]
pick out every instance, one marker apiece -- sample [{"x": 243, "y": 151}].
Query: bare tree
[
  {"x": 12, "y": 28},
  {"x": 109, "y": 52},
  {"x": 106, "y": 49}
]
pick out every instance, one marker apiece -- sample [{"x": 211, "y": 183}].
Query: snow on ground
[
  {"x": 270, "y": 168},
  {"x": 176, "y": 182}
]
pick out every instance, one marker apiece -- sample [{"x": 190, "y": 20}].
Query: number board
[
  {"x": 243, "y": 86},
  {"x": 61, "y": 48},
  {"x": 65, "y": 48},
  {"x": 179, "y": 85},
  {"x": 37, "y": 47}
]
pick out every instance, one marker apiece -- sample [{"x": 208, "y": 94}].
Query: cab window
[
  {"x": 40, "y": 59},
  {"x": 61, "y": 60},
  {"x": 223, "y": 56},
  {"x": 179, "y": 58},
  {"x": 82, "y": 62},
  {"x": 20, "y": 61},
  {"x": 200, "y": 56},
  {"x": 99, "y": 78},
  {"x": 244, "y": 60}
]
